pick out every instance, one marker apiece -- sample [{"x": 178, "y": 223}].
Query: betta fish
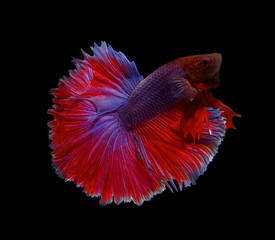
[{"x": 123, "y": 137}]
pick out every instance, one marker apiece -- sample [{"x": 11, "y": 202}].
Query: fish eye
[{"x": 204, "y": 62}]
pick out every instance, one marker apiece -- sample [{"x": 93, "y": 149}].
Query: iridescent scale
[{"x": 152, "y": 96}]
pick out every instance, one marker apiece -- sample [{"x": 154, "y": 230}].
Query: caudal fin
[{"x": 90, "y": 147}]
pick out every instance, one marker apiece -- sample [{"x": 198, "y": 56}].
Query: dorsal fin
[
  {"x": 111, "y": 68},
  {"x": 107, "y": 79}
]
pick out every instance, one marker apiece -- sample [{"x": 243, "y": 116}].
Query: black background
[{"x": 151, "y": 37}]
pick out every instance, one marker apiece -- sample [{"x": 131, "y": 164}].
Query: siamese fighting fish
[{"x": 123, "y": 137}]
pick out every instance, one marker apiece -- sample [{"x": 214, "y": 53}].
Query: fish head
[{"x": 202, "y": 71}]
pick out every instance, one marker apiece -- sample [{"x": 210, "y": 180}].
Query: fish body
[
  {"x": 125, "y": 138},
  {"x": 154, "y": 94}
]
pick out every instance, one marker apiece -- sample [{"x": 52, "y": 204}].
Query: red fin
[
  {"x": 101, "y": 157},
  {"x": 194, "y": 117},
  {"x": 90, "y": 147},
  {"x": 112, "y": 69},
  {"x": 167, "y": 153},
  {"x": 227, "y": 112}
]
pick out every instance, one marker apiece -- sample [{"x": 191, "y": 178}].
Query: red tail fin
[{"x": 90, "y": 147}]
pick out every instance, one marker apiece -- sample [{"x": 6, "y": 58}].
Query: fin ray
[{"x": 172, "y": 156}]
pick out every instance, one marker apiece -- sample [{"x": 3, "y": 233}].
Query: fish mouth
[
  {"x": 216, "y": 78},
  {"x": 214, "y": 81}
]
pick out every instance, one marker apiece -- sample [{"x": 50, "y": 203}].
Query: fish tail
[{"x": 90, "y": 145}]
